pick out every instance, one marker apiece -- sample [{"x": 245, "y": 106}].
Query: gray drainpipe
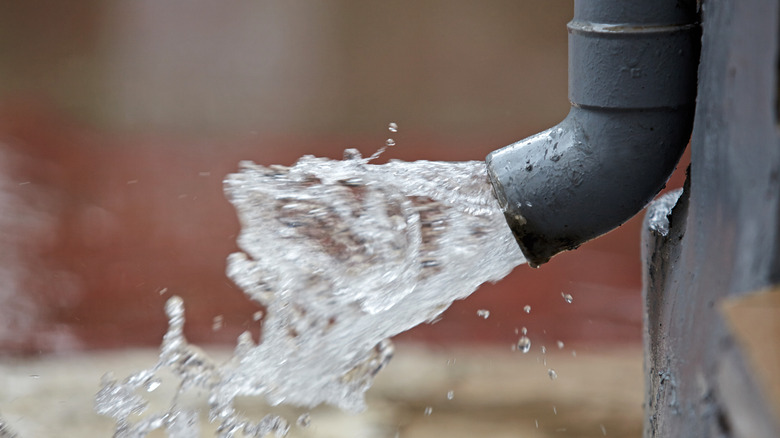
[{"x": 632, "y": 87}]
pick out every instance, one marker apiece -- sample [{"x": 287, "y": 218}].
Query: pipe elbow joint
[
  {"x": 585, "y": 176},
  {"x": 632, "y": 88}
]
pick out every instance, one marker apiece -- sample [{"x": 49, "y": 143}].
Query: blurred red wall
[
  {"x": 118, "y": 122},
  {"x": 125, "y": 221}
]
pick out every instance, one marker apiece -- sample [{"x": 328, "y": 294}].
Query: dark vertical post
[{"x": 723, "y": 236}]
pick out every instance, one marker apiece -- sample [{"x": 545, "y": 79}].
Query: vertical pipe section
[{"x": 632, "y": 87}]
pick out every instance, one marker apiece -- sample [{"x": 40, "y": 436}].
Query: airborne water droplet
[
  {"x": 390, "y": 142},
  {"x": 450, "y": 395},
  {"x": 560, "y": 344},
  {"x": 392, "y": 127},
  {"x": 217, "y": 323},
  {"x": 553, "y": 375},
  {"x": 428, "y": 410},
  {"x": 525, "y": 331},
  {"x": 483, "y": 313},
  {"x": 352, "y": 154},
  {"x": 544, "y": 349},
  {"x": 527, "y": 309},
  {"x": 524, "y": 344},
  {"x": 304, "y": 420},
  {"x": 567, "y": 297}
]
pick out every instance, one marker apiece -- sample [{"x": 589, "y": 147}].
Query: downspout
[{"x": 632, "y": 87}]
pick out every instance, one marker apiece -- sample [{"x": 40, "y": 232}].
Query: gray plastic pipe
[{"x": 632, "y": 87}]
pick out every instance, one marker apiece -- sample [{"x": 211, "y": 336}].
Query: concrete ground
[{"x": 488, "y": 392}]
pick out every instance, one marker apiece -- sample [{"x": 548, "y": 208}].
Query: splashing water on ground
[{"x": 343, "y": 255}]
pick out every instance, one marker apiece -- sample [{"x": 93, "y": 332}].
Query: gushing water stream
[{"x": 343, "y": 255}]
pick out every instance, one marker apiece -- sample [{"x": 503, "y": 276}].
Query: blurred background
[{"x": 119, "y": 120}]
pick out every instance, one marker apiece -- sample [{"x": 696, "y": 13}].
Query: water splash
[{"x": 343, "y": 255}]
